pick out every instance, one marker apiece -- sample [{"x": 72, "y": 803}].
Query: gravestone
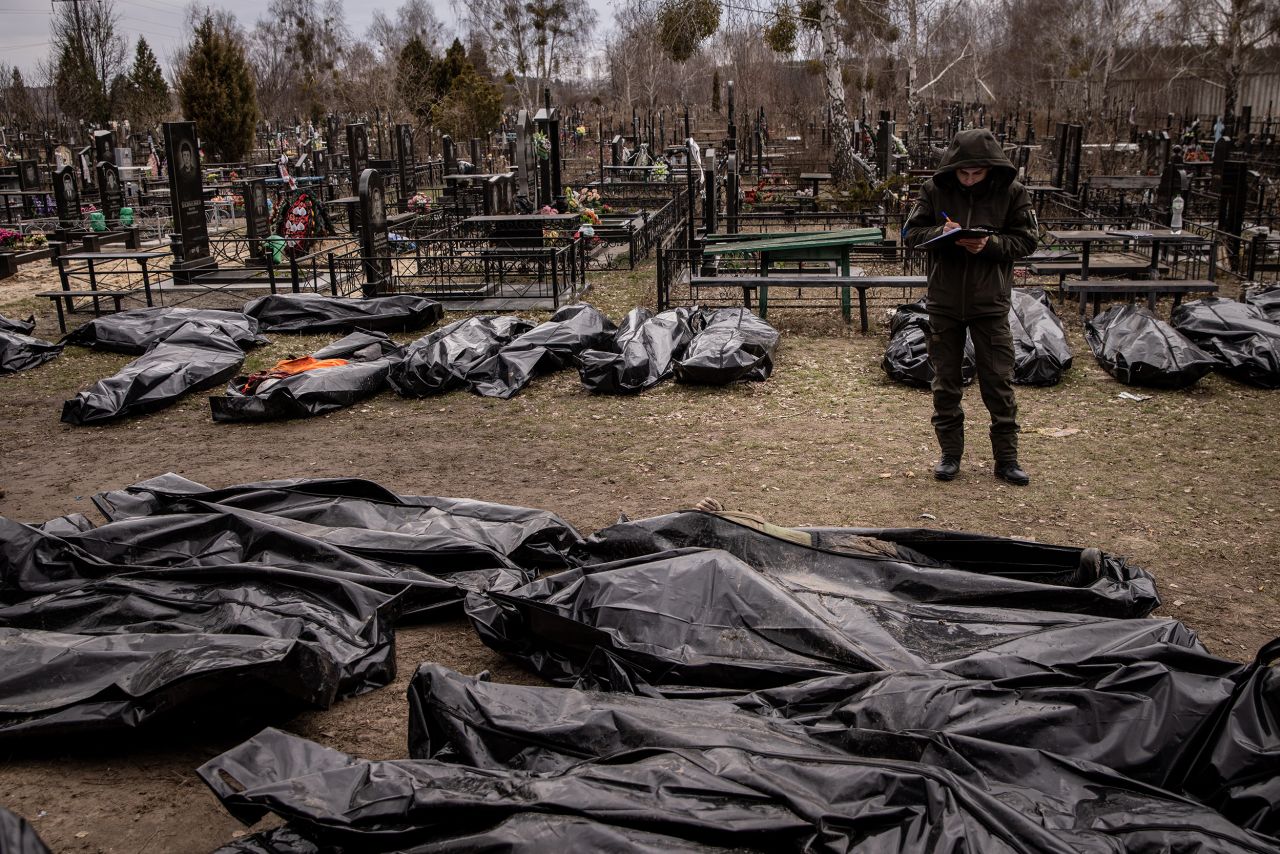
[
  {"x": 476, "y": 159},
  {"x": 66, "y": 197},
  {"x": 375, "y": 251},
  {"x": 731, "y": 192},
  {"x": 1223, "y": 150},
  {"x": 332, "y": 160},
  {"x": 550, "y": 191},
  {"x": 28, "y": 182},
  {"x": 1071, "y": 170},
  {"x": 449, "y": 155},
  {"x": 357, "y": 152},
  {"x": 710, "y": 202},
  {"x": 357, "y": 163},
  {"x": 405, "y": 164},
  {"x": 186, "y": 197},
  {"x": 615, "y": 150},
  {"x": 110, "y": 191},
  {"x": 526, "y": 159},
  {"x": 499, "y": 194},
  {"x": 1233, "y": 200},
  {"x": 104, "y": 146},
  {"x": 1174, "y": 181},
  {"x": 84, "y": 165},
  {"x": 1059, "y": 154},
  {"x": 256, "y": 216},
  {"x": 1162, "y": 146},
  {"x": 884, "y": 145}
]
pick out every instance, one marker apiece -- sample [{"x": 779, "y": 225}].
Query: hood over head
[{"x": 976, "y": 147}]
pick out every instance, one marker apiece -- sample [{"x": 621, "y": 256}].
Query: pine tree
[
  {"x": 79, "y": 91},
  {"x": 413, "y": 79},
  {"x": 452, "y": 66},
  {"x": 148, "y": 91},
  {"x": 215, "y": 88},
  {"x": 472, "y": 108},
  {"x": 89, "y": 54}
]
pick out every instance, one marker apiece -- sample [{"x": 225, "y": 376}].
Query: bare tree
[
  {"x": 531, "y": 42},
  {"x": 1228, "y": 35},
  {"x": 90, "y": 55},
  {"x": 296, "y": 50},
  {"x": 414, "y": 19}
]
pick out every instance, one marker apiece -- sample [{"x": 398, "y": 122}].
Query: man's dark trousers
[{"x": 993, "y": 349}]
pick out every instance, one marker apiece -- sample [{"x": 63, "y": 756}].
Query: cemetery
[{"x": 415, "y": 441}]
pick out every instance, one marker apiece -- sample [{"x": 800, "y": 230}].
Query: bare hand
[
  {"x": 949, "y": 225},
  {"x": 973, "y": 244}
]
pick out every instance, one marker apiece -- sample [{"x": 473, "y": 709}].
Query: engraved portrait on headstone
[
  {"x": 259, "y": 196},
  {"x": 186, "y": 157}
]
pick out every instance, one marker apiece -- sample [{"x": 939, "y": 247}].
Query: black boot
[
  {"x": 1011, "y": 472},
  {"x": 947, "y": 468}
]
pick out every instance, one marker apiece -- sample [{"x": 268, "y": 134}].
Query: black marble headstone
[
  {"x": 373, "y": 233},
  {"x": 104, "y": 146},
  {"x": 449, "y": 154},
  {"x": 28, "y": 181},
  {"x": 257, "y": 219},
  {"x": 186, "y": 194},
  {"x": 526, "y": 159},
  {"x": 66, "y": 196},
  {"x": 110, "y": 192},
  {"x": 357, "y": 163},
  {"x": 1071, "y": 159},
  {"x": 404, "y": 163},
  {"x": 357, "y": 152}
]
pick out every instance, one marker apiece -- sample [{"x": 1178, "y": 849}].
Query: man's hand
[{"x": 973, "y": 244}]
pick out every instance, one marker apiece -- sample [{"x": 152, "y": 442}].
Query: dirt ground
[{"x": 1185, "y": 484}]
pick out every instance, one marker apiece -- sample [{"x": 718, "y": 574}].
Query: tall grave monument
[
  {"x": 66, "y": 197},
  {"x": 374, "y": 250},
  {"x": 550, "y": 191},
  {"x": 257, "y": 219},
  {"x": 357, "y": 163},
  {"x": 186, "y": 196},
  {"x": 405, "y": 164}
]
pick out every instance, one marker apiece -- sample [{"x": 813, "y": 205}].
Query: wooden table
[
  {"x": 519, "y": 229},
  {"x": 1086, "y": 238},
  {"x": 90, "y": 260},
  {"x": 1157, "y": 237},
  {"x": 815, "y": 179},
  {"x": 1150, "y": 267},
  {"x": 820, "y": 246}
]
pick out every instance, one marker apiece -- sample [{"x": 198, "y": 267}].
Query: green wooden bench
[{"x": 816, "y": 246}]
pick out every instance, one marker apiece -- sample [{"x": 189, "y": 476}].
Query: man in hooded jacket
[{"x": 969, "y": 290}]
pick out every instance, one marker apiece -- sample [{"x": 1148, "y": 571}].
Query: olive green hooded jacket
[{"x": 961, "y": 284}]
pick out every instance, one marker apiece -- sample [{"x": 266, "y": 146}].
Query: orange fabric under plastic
[{"x": 289, "y": 367}]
